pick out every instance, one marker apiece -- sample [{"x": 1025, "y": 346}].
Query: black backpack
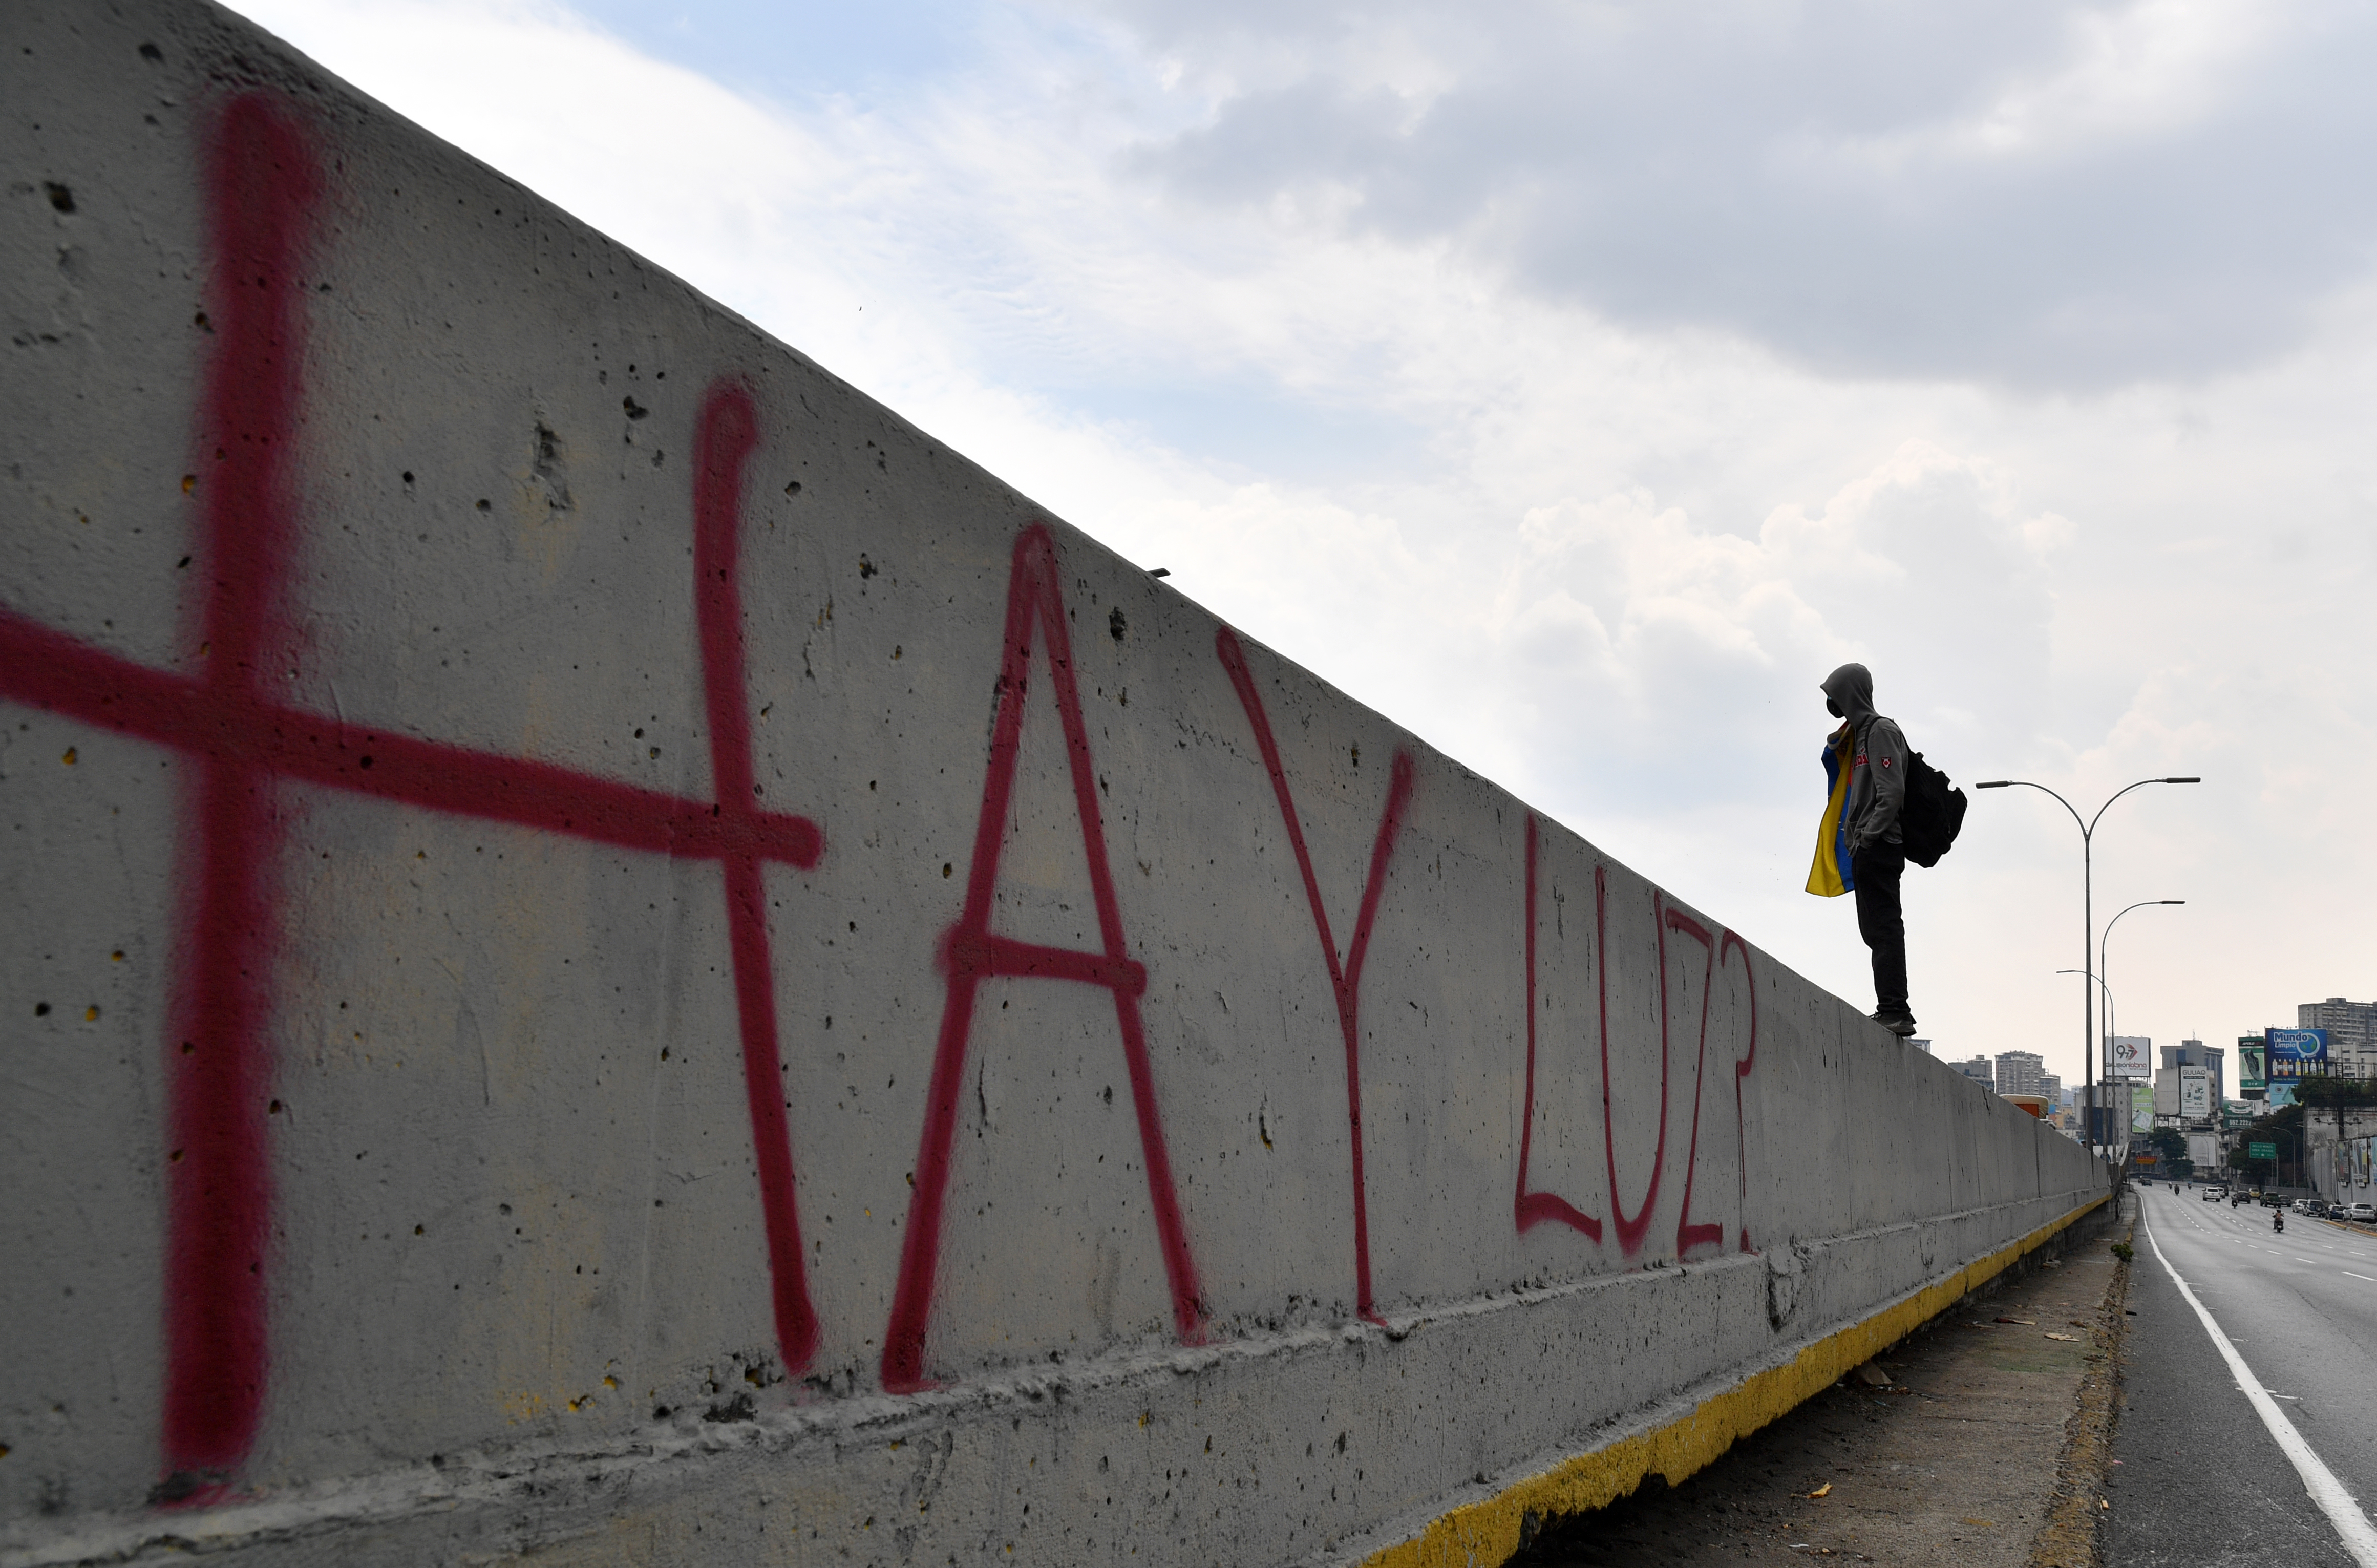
[{"x": 1932, "y": 813}]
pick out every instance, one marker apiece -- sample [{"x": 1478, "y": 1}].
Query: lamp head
[
  {"x": 1995, "y": 784},
  {"x": 2180, "y": 781}
]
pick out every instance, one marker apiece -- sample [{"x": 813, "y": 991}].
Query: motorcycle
[{"x": 2278, "y": 1222}]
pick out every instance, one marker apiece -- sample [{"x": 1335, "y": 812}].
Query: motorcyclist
[{"x": 2278, "y": 1220}]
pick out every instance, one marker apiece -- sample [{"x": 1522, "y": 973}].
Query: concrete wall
[{"x": 609, "y": 950}]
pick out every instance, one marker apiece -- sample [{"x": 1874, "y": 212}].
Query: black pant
[{"x": 1877, "y": 868}]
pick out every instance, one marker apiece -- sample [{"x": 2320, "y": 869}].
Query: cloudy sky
[{"x": 1578, "y": 383}]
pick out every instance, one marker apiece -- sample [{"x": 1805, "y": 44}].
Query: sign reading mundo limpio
[{"x": 2296, "y": 1053}]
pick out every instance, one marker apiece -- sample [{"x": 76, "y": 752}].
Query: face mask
[{"x": 1833, "y": 709}]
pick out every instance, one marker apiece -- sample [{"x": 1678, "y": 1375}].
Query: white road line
[
  {"x": 2359, "y": 1276},
  {"x": 2353, "y": 1526}
]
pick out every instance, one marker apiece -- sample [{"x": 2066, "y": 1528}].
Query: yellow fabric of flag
[{"x": 1830, "y": 875}]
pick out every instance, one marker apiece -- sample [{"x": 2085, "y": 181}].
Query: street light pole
[
  {"x": 2104, "y": 941},
  {"x": 2088, "y": 918},
  {"x": 2089, "y": 1093}
]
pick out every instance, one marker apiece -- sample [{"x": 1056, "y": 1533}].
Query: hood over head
[{"x": 1851, "y": 689}]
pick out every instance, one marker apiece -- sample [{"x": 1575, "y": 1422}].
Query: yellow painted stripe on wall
[{"x": 1486, "y": 1533}]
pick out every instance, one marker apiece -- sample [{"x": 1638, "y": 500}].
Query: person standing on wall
[{"x": 1859, "y": 849}]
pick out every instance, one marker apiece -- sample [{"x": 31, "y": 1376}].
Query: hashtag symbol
[{"x": 263, "y": 182}]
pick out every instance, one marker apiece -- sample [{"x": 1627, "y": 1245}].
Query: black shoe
[{"x": 1900, "y": 1022}]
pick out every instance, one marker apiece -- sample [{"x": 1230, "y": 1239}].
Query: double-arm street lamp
[
  {"x": 2089, "y": 954},
  {"x": 2111, "y": 1012},
  {"x": 2104, "y": 939}
]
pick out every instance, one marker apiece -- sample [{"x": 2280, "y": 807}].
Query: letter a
[{"x": 971, "y": 954}]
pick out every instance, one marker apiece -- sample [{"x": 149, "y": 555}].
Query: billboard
[
  {"x": 2194, "y": 1093},
  {"x": 2251, "y": 1082},
  {"x": 2141, "y": 1109},
  {"x": 2130, "y": 1055},
  {"x": 2296, "y": 1053}
]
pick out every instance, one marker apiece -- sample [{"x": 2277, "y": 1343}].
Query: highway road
[{"x": 2202, "y": 1480}]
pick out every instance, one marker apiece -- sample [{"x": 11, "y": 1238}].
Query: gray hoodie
[{"x": 1874, "y": 751}]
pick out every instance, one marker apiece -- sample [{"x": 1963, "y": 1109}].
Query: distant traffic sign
[{"x": 2262, "y": 1151}]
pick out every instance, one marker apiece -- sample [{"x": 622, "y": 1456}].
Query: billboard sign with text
[
  {"x": 2132, "y": 1056},
  {"x": 2296, "y": 1053}
]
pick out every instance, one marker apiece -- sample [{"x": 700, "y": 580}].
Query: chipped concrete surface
[{"x": 613, "y": 953}]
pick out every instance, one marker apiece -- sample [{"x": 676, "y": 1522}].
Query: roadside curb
[
  {"x": 1684, "y": 1435},
  {"x": 2073, "y": 1536}
]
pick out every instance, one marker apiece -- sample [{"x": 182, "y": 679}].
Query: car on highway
[
  {"x": 2365, "y": 1213},
  {"x": 2214, "y": 1194}
]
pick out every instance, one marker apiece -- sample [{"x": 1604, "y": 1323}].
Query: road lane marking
[
  {"x": 2372, "y": 1280},
  {"x": 2360, "y": 1536}
]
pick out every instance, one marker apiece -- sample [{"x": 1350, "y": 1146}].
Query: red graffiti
[
  {"x": 723, "y": 440},
  {"x": 972, "y": 953},
  {"x": 263, "y": 184},
  {"x": 1531, "y": 1209},
  {"x": 1344, "y": 977},
  {"x": 1630, "y": 1230},
  {"x": 1741, "y": 1071},
  {"x": 1688, "y": 1235}
]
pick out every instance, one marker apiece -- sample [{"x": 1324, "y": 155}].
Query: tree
[
  {"x": 2283, "y": 1128},
  {"x": 2170, "y": 1144}
]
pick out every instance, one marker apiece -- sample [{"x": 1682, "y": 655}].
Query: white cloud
[{"x": 2047, "y": 195}]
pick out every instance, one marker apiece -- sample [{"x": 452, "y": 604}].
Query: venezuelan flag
[{"x": 1830, "y": 875}]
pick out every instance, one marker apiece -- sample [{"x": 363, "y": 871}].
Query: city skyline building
[
  {"x": 2018, "y": 1073},
  {"x": 2351, "y": 1033}
]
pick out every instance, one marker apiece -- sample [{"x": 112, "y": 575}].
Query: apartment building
[
  {"x": 2351, "y": 1034},
  {"x": 2020, "y": 1072}
]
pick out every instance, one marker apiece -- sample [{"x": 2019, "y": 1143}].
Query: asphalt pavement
[{"x": 2199, "y": 1480}]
